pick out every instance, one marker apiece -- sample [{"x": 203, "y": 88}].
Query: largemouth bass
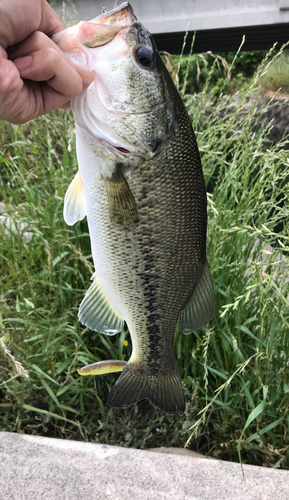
[{"x": 141, "y": 186}]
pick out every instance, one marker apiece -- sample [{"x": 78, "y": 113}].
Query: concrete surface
[
  {"x": 179, "y": 451},
  {"x": 37, "y": 468}
]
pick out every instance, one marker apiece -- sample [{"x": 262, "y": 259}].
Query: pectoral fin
[
  {"x": 74, "y": 202},
  {"x": 122, "y": 206},
  {"x": 97, "y": 313},
  {"x": 102, "y": 367},
  {"x": 201, "y": 308}
]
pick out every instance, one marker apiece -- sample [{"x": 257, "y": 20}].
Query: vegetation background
[{"x": 236, "y": 370}]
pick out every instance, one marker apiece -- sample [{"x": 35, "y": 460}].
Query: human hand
[{"x": 35, "y": 76}]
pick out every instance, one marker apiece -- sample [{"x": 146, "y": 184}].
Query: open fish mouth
[
  {"x": 125, "y": 157},
  {"x": 122, "y": 150},
  {"x": 114, "y": 54},
  {"x": 99, "y": 31},
  {"x": 122, "y": 15}
]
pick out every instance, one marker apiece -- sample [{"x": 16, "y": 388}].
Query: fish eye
[{"x": 144, "y": 56}]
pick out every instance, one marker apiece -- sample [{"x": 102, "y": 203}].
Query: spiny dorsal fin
[
  {"x": 74, "y": 201},
  {"x": 122, "y": 207},
  {"x": 201, "y": 308},
  {"x": 97, "y": 313}
]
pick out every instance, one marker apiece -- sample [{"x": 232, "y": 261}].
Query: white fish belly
[{"x": 116, "y": 253}]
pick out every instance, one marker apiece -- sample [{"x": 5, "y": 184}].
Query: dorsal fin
[
  {"x": 74, "y": 201},
  {"x": 97, "y": 313},
  {"x": 201, "y": 307}
]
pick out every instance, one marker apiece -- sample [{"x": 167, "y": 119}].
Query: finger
[
  {"x": 3, "y": 53},
  {"x": 65, "y": 106},
  {"x": 37, "y": 41},
  {"x": 48, "y": 65},
  {"x": 11, "y": 87},
  {"x": 10, "y": 81},
  {"x": 50, "y": 22},
  {"x": 19, "y": 18},
  {"x": 33, "y": 43},
  {"x": 62, "y": 82}
]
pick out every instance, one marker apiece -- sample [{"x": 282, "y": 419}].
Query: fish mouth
[
  {"x": 127, "y": 155},
  {"x": 122, "y": 15},
  {"x": 122, "y": 150},
  {"x": 98, "y": 32},
  {"x": 122, "y": 156},
  {"x": 105, "y": 112},
  {"x": 122, "y": 153}
]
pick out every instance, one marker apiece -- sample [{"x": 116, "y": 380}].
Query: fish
[{"x": 141, "y": 186}]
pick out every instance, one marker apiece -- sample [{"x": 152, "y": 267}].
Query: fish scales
[{"x": 150, "y": 268}]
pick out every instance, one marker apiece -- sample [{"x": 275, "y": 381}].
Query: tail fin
[{"x": 164, "y": 391}]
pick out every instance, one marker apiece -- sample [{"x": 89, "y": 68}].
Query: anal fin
[
  {"x": 201, "y": 307},
  {"x": 97, "y": 313}
]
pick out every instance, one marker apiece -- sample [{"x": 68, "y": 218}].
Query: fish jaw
[
  {"x": 116, "y": 86},
  {"x": 95, "y": 108},
  {"x": 98, "y": 32},
  {"x": 122, "y": 15}
]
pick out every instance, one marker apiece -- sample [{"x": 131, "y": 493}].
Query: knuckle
[
  {"x": 51, "y": 56},
  {"x": 37, "y": 39},
  {"x": 9, "y": 83}
]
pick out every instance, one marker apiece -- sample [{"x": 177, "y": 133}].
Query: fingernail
[{"x": 23, "y": 62}]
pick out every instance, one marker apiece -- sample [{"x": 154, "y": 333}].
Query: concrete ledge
[{"x": 38, "y": 468}]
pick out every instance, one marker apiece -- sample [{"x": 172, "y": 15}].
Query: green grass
[
  {"x": 194, "y": 71},
  {"x": 277, "y": 76},
  {"x": 235, "y": 371}
]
